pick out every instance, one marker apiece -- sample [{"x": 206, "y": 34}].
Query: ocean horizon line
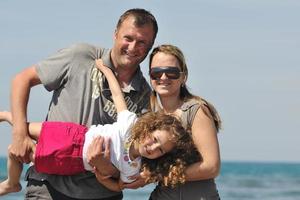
[
  {"x": 241, "y": 161},
  {"x": 263, "y": 161}
]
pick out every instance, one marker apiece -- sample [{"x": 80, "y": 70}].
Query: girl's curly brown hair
[{"x": 169, "y": 168}]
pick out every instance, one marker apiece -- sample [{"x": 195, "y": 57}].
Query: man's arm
[
  {"x": 110, "y": 183},
  {"x": 22, "y": 83}
]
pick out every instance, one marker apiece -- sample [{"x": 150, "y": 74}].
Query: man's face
[{"x": 131, "y": 44}]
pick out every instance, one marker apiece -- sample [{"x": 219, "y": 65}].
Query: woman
[{"x": 168, "y": 74}]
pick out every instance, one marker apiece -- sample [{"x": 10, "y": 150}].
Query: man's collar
[
  {"x": 107, "y": 61},
  {"x": 136, "y": 82}
]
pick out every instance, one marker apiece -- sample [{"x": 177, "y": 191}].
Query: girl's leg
[
  {"x": 14, "y": 167},
  {"x": 34, "y": 128},
  {"x": 6, "y": 116},
  {"x": 12, "y": 183}
]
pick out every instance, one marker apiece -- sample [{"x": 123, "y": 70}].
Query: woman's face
[
  {"x": 157, "y": 145},
  {"x": 165, "y": 68}
]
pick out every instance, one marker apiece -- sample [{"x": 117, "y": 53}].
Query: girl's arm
[
  {"x": 117, "y": 94},
  {"x": 34, "y": 128},
  {"x": 205, "y": 138}
]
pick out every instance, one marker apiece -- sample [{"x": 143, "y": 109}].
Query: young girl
[{"x": 62, "y": 146}]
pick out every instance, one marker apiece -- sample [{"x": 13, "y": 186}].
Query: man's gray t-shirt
[{"x": 81, "y": 95}]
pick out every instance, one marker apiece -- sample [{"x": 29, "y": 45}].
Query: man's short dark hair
[{"x": 142, "y": 17}]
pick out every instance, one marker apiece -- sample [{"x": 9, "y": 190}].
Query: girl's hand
[{"x": 100, "y": 65}]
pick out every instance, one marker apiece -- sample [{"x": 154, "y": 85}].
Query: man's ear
[{"x": 115, "y": 34}]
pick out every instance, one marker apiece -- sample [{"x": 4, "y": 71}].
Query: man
[{"x": 81, "y": 95}]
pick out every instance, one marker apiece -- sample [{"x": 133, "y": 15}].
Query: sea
[{"x": 237, "y": 181}]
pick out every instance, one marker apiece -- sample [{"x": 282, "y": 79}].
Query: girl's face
[
  {"x": 156, "y": 145},
  {"x": 164, "y": 77}
]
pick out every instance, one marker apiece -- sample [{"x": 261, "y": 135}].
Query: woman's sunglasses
[{"x": 171, "y": 72}]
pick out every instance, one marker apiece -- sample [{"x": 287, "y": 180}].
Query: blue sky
[{"x": 242, "y": 55}]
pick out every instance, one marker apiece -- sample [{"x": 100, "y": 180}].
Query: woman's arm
[
  {"x": 117, "y": 94},
  {"x": 206, "y": 141}
]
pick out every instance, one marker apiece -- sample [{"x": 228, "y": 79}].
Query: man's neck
[{"x": 124, "y": 76}]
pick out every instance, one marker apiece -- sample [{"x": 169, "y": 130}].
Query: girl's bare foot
[
  {"x": 6, "y": 116},
  {"x": 6, "y": 188}
]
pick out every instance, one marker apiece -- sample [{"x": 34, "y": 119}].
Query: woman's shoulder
[
  {"x": 199, "y": 105},
  {"x": 189, "y": 109},
  {"x": 190, "y": 104}
]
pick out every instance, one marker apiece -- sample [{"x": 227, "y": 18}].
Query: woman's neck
[{"x": 170, "y": 104}]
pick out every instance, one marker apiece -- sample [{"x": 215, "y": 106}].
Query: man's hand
[
  {"x": 139, "y": 182},
  {"x": 108, "y": 182},
  {"x": 100, "y": 177},
  {"x": 22, "y": 149},
  {"x": 100, "y": 159}
]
